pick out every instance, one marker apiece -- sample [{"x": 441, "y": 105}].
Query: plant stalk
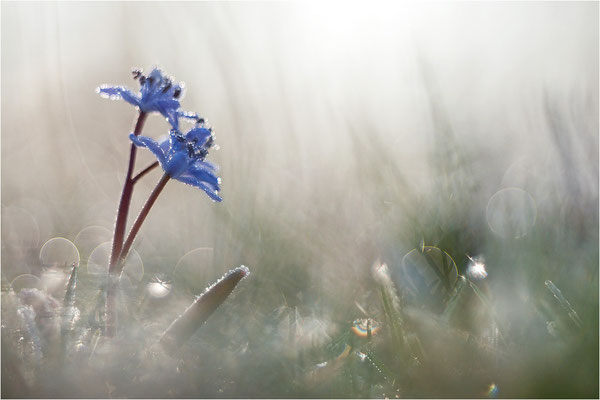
[
  {"x": 140, "y": 220},
  {"x": 145, "y": 171},
  {"x": 120, "y": 225},
  {"x": 125, "y": 201}
]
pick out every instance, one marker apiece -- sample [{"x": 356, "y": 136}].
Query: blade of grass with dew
[
  {"x": 201, "y": 309},
  {"x": 564, "y": 303},
  {"x": 70, "y": 312}
]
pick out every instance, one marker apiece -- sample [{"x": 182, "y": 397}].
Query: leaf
[{"x": 201, "y": 309}]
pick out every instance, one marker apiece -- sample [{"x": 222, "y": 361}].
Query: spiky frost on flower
[
  {"x": 157, "y": 93},
  {"x": 182, "y": 157}
]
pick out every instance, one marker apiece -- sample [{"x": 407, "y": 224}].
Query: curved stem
[
  {"x": 125, "y": 201},
  {"x": 140, "y": 220},
  {"x": 145, "y": 171},
  {"x": 117, "y": 243}
]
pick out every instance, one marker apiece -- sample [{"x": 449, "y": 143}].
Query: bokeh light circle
[
  {"x": 59, "y": 252},
  {"x": 89, "y": 238},
  {"x": 195, "y": 268},
  {"x": 511, "y": 213},
  {"x": 429, "y": 275},
  {"x": 26, "y": 281},
  {"x": 98, "y": 263}
]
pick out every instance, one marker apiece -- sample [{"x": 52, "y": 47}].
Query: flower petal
[
  {"x": 210, "y": 191},
  {"x": 152, "y": 84},
  {"x": 167, "y": 107},
  {"x": 198, "y": 135},
  {"x": 119, "y": 92},
  {"x": 152, "y": 145},
  {"x": 205, "y": 175},
  {"x": 176, "y": 165},
  {"x": 188, "y": 115}
]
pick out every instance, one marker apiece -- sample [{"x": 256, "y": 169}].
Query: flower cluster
[
  {"x": 157, "y": 93},
  {"x": 182, "y": 156}
]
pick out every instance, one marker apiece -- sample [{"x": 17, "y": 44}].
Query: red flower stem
[
  {"x": 125, "y": 201},
  {"x": 120, "y": 225},
  {"x": 145, "y": 171},
  {"x": 140, "y": 220}
]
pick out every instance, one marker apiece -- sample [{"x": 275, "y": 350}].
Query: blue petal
[
  {"x": 188, "y": 115},
  {"x": 165, "y": 103},
  {"x": 165, "y": 143},
  {"x": 175, "y": 144},
  {"x": 210, "y": 191},
  {"x": 119, "y": 92},
  {"x": 167, "y": 107},
  {"x": 149, "y": 90},
  {"x": 200, "y": 135},
  {"x": 176, "y": 164},
  {"x": 205, "y": 175},
  {"x": 210, "y": 166},
  {"x": 144, "y": 141}
]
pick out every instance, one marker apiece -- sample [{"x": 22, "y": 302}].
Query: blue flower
[
  {"x": 182, "y": 157},
  {"x": 157, "y": 93}
]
